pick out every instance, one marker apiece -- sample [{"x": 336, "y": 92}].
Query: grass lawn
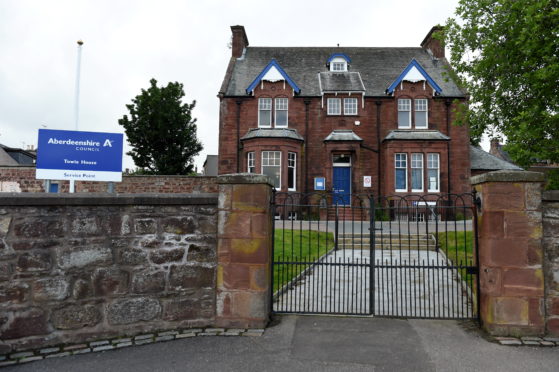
[
  {"x": 297, "y": 246},
  {"x": 458, "y": 247}
]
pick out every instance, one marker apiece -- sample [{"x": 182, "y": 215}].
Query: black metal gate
[{"x": 396, "y": 256}]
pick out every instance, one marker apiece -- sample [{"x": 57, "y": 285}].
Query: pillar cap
[
  {"x": 507, "y": 176},
  {"x": 244, "y": 178}
]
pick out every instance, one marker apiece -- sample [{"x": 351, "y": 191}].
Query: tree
[
  {"x": 161, "y": 130},
  {"x": 506, "y": 54}
]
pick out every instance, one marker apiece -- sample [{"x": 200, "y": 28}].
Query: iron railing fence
[{"x": 394, "y": 256}]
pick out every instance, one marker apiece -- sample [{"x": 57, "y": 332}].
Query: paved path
[
  {"x": 341, "y": 284},
  {"x": 312, "y": 343}
]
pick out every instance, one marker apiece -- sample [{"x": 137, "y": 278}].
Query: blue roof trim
[
  {"x": 275, "y": 64},
  {"x": 344, "y": 56},
  {"x": 412, "y": 64}
]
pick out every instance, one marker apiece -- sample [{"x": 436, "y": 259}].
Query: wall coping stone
[
  {"x": 244, "y": 178},
  {"x": 550, "y": 195},
  {"x": 34, "y": 199},
  {"x": 18, "y": 166},
  {"x": 27, "y": 166},
  {"x": 507, "y": 176}
]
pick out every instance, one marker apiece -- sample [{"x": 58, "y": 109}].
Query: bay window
[
  {"x": 433, "y": 173},
  {"x": 271, "y": 166},
  {"x": 291, "y": 171},
  {"x": 417, "y": 172},
  {"x": 250, "y": 163},
  {"x": 401, "y": 176}
]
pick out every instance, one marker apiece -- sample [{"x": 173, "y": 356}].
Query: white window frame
[
  {"x": 402, "y": 103},
  {"x": 434, "y": 165},
  {"x": 419, "y": 102},
  {"x": 292, "y": 167},
  {"x": 338, "y": 64},
  {"x": 330, "y": 107},
  {"x": 266, "y": 164},
  {"x": 416, "y": 162},
  {"x": 350, "y": 102},
  {"x": 286, "y": 109},
  {"x": 260, "y": 105},
  {"x": 397, "y": 165},
  {"x": 250, "y": 162}
]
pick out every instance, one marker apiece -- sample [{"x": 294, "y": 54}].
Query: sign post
[{"x": 82, "y": 156}]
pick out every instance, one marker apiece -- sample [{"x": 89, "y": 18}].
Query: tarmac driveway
[{"x": 322, "y": 343}]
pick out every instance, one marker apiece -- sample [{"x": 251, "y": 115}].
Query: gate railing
[{"x": 401, "y": 256}]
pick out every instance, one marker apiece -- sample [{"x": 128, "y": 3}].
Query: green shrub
[{"x": 552, "y": 180}]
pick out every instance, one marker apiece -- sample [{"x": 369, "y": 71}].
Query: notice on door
[{"x": 367, "y": 181}]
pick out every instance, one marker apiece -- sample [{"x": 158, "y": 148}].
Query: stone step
[
  {"x": 388, "y": 248},
  {"x": 386, "y": 236},
  {"x": 388, "y": 241}
]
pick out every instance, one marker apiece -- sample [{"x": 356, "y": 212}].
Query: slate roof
[
  {"x": 272, "y": 133},
  {"x": 343, "y": 135},
  {"x": 414, "y": 135},
  {"x": 341, "y": 82},
  {"x": 6, "y": 159},
  {"x": 16, "y": 156},
  {"x": 378, "y": 67},
  {"x": 481, "y": 160}
]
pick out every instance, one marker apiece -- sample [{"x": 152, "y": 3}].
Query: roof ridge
[{"x": 331, "y": 47}]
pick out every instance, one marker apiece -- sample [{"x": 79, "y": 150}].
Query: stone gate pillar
[
  {"x": 510, "y": 252},
  {"x": 244, "y": 251}
]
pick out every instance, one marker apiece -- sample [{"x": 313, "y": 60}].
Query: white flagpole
[{"x": 77, "y": 99}]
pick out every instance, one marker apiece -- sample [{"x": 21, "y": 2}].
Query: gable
[
  {"x": 272, "y": 72},
  {"x": 414, "y": 72}
]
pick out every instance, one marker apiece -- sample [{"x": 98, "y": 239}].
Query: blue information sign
[
  {"x": 319, "y": 183},
  {"x": 84, "y": 156}
]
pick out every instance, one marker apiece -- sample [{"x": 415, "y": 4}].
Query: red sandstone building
[{"x": 344, "y": 115}]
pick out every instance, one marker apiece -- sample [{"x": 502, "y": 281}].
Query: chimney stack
[
  {"x": 434, "y": 46},
  {"x": 495, "y": 146},
  {"x": 240, "y": 40}
]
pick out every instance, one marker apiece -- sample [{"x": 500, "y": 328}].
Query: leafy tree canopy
[
  {"x": 506, "y": 53},
  {"x": 161, "y": 130}
]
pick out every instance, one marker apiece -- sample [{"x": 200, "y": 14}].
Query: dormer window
[
  {"x": 338, "y": 65},
  {"x": 338, "y": 62}
]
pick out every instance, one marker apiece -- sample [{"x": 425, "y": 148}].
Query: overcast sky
[{"x": 126, "y": 43}]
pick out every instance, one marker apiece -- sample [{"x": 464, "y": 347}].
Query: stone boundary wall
[
  {"x": 22, "y": 179},
  {"x": 551, "y": 259},
  {"x": 510, "y": 253},
  {"x": 76, "y": 268}
]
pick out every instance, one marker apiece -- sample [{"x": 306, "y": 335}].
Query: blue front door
[{"x": 342, "y": 185}]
